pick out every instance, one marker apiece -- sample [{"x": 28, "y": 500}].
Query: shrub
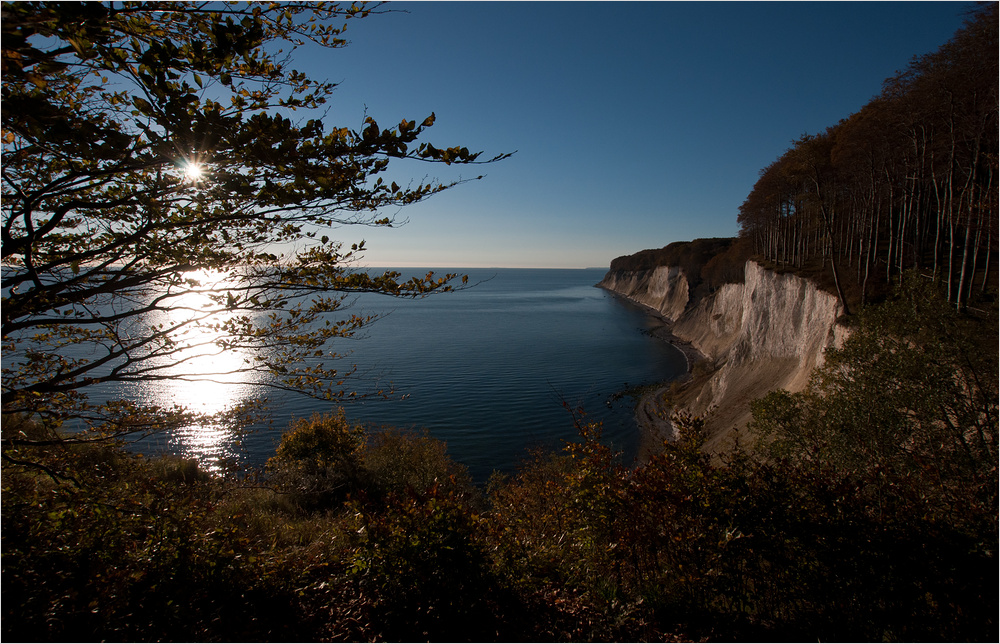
[
  {"x": 116, "y": 546},
  {"x": 318, "y": 462},
  {"x": 419, "y": 559},
  {"x": 398, "y": 461}
]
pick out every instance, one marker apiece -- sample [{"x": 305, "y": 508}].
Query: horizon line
[{"x": 480, "y": 267}]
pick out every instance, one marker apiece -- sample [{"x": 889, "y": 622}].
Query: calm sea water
[{"x": 487, "y": 370}]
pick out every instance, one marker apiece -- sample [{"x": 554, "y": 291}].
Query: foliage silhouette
[{"x": 121, "y": 265}]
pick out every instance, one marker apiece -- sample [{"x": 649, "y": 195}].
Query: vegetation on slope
[
  {"x": 868, "y": 512},
  {"x": 909, "y": 181}
]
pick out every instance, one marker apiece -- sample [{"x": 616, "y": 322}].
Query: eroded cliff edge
[{"x": 766, "y": 333}]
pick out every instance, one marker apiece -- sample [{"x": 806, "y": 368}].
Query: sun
[{"x": 193, "y": 171}]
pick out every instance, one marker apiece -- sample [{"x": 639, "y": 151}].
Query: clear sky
[{"x": 635, "y": 124}]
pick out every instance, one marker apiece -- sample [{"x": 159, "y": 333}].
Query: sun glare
[
  {"x": 205, "y": 277},
  {"x": 193, "y": 171},
  {"x": 198, "y": 371},
  {"x": 201, "y": 284}
]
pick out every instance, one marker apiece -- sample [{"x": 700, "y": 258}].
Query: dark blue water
[{"x": 489, "y": 370}]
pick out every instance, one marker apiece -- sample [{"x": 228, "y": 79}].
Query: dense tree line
[
  {"x": 690, "y": 256},
  {"x": 909, "y": 181}
]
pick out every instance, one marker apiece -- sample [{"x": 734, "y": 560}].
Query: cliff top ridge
[
  {"x": 681, "y": 253},
  {"x": 706, "y": 263}
]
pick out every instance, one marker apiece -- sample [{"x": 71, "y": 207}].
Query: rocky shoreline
[{"x": 652, "y": 414}]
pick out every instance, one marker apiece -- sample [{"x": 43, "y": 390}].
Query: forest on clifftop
[{"x": 907, "y": 182}]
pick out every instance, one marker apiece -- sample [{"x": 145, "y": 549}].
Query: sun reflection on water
[{"x": 201, "y": 375}]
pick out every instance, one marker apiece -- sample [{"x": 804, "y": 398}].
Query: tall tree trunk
[
  {"x": 965, "y": 263},
  {"x": 828, "y": 225},
  {"x": 976, "y": 244},
  {"x": 986, "y": 264}
]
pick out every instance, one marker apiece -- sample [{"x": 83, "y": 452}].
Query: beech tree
[
  {"x": 159, "y": 206},
  {"x": 909, "y": 181}
]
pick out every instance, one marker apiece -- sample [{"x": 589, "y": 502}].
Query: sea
[{"x": 495, "y": 370}]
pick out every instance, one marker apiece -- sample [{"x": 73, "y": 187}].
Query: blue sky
[{"x": 635, "y": 124}]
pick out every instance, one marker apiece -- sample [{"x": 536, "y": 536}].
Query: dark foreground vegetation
[{"x": 866, "y": 511}]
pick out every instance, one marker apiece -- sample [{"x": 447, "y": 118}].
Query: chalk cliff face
[
  {"x": 765, "y": 334},
  {"x": 664, "y": 288}
]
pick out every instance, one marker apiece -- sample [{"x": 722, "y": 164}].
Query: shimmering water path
[{"x": 487, "y": 369}]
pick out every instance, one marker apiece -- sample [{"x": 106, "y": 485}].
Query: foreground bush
[
  {"x": 574, "y": 546},
  {"x": 750, "y": 550},
  {"x": 349, "y": 537},
  {"x": 105, "y": 545}
]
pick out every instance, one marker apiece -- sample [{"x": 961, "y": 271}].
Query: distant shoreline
[
  {"x": 653, "y": 420},
  {"x": 651, "y": 415}
]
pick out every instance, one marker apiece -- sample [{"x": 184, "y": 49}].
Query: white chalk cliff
[
  {"x": 764, "y": 334},
  {"x": 664, "y": 288}
]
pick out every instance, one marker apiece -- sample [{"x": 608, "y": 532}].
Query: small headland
[{"x": 744, "y": 330}]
